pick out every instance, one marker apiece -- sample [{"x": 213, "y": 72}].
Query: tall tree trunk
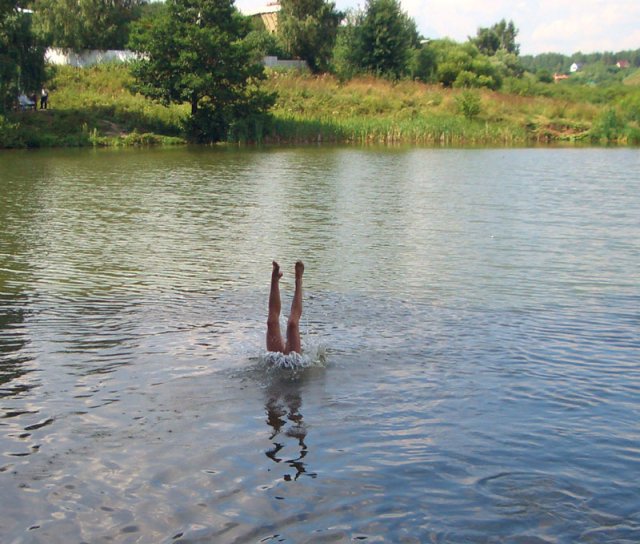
[{"x": 194, "y": 104}]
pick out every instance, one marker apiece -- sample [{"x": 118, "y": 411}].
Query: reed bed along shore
[{"x": 94, "y": 107}]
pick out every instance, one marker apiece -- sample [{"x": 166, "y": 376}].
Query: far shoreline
[{"x": 93, "y": 107}]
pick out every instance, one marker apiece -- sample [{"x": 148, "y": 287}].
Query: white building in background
[
  {"x": 82, "y": 59},
  {"x": 268, "y": 14}
]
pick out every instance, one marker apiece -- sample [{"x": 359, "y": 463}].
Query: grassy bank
[
  {"x": 374, "y": 110},
  {"x": 93, "y": 107}
]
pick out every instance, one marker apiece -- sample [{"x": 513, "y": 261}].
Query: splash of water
[{"x": 313, "y": 354}]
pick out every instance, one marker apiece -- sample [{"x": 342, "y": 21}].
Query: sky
[{"x": 559, "y": 26}]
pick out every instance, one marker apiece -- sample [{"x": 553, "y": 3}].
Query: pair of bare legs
[{"x": 275, "y": 342}]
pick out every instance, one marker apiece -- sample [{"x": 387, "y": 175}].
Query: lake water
[{"x": 472, "y": 320}]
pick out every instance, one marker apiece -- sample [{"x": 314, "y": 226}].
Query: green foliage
[
  {"x": 10, "y": 135},
  {"x": 86, "y": 24},
  {"x": 507, "y": 64},
  {"x": 265, "y": 43},
  {"x": 423, "y": 64},
  {"x": 633, "y": 78},
  {"x": 379, "y": 40},
  {"x": 93, "y": 106},
  {"x": 309, "y": 29},
  {"x": 544, "y": 76},
  {"x": 386, "y": 38},
  {"x": 608, "y": 127},
  {"x": 150, "y": 10},
  {"x": 345, "y": 61},
  {"x": 487, "y": 41},
  {"x": 527, "y": 85},
  {"x": 469, "y": 104},
  {"x": 194, "y": 52},
  {"x": 21, "y": 55},
  {"x": 462, "y": 65},
  {"x": 596, "y": 68},
  {"x": 551, "y": 62},
  {"x": 501, "y": 36},
  {"x": 598, "y": 73},
  {"x": 630, "y": 107}
]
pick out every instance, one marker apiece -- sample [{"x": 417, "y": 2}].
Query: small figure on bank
[
  {"x": 44, "y": 98},
  {"x": 275, "y": 342}
]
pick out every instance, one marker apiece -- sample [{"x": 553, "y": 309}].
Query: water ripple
[{"x": 472, "y": 316}]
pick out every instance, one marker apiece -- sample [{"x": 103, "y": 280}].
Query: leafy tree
[
  {"x": 487, "y": 41},
  {"x": 544, "y": 76},
  {"x": 21, "y": 55},
  {"x": 553, "y": 62},
  {"x": 150, "y": 10},
  {"x": 86, "y": 24},
  {"x": 508, "y": 64},
  {"x": 469, "y": 104},
  {"x": 502, "y": 35},
  {"x": 309, "y": 29},
  {"x": 424, "y": 64},
  {"x": 462, "y": 65},
  {"x": 387, "y": 36},
  {"x": 345, "y": 62},
  {"x": 265, "y": 43},
  {"x": 380, "y": 40},
  {"x": 194, "y": 52}
]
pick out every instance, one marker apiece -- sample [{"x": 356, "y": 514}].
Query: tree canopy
[
  {"x": 386, "y": 38},
  {"x": 194, "y": 52},
  {"x": 21, "y": 55},
  {"x": 462, "y": 65},
  {"x": 308, "y": 29},
  {"x": 86, "y": 24},
  {"x": 379, "y": 40},
  {"x": 500, "y": 36}
]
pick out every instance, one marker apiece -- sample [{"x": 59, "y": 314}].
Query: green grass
[
  {"x": 633, "y": 78},
  {"x": 93, "y": 107},
  {"x": 372, "y": 110}
]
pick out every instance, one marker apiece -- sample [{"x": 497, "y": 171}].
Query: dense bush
[{"x": 469, "y": 104}]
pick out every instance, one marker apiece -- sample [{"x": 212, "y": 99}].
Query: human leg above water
[
  {"x": 274, "y": 336},
  {"x": 293, "y": 325},
  {"x": 275, "y": 342}
]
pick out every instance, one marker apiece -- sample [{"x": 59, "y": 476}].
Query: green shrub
[
  {"x": 608, "y": 127},
  {"x": 10, "y": 134},
  {"x": 633, "y": 135},
  {"x": 630, "y": 107},
  {"x": 469, "y": 104},
  {"x": 544, "y": 76}
]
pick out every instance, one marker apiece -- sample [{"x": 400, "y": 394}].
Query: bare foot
[
  {"x": 299, "y": 270},
  {"x": 276, "y": 274}
]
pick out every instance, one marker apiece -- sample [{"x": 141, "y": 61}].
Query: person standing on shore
[{"x": 44, "y": 98}]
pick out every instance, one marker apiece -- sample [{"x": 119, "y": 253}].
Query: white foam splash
[{"x": 312, "y": 355}]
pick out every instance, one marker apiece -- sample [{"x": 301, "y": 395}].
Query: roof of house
[{"x": 272, "y": 7}]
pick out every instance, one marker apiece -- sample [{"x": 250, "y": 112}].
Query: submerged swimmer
[{"x": 275, "y": 342}]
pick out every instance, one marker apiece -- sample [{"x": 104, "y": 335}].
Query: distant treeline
[{"x": 559, "y": 63}]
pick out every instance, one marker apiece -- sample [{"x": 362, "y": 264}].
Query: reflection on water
[
  {"x": 13, "y": 352},
  {"x": 283, "y": 416},
  {"x": 471, "y": 316}
]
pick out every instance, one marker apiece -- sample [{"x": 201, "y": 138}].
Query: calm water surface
[{"x": 479, "y": 311}]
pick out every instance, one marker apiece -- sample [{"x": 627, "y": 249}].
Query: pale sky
[{"x": 561, "y": 26}]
